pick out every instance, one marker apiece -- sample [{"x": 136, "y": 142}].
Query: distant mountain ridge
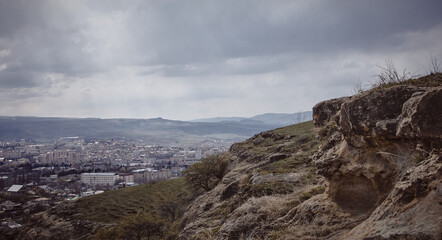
[
  {"x": 282, "y": 119},
  {"x": 159, "y": 130}
]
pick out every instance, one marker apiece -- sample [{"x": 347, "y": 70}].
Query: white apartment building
[
  {"x": 149, "y": 174},
  {"x": 99, "y": 178}
]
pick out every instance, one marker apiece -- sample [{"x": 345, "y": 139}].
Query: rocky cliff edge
[{"x": 375, "y": 175}]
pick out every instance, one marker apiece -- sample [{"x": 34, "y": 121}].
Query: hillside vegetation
[
  {"x": 119, "y": 214},
  {"x": 155, "y": 199},
  {"x": 269, "y": 174}
]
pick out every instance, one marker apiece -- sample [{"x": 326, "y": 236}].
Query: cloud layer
[{"x": 192, "y": 59}]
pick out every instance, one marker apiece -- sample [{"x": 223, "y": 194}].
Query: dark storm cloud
[
  {"x": 22, "y": 79},
  {"x": 185, "y": 33},
  {"x": 47, "y": 36},
  {"x": 42, "y": 37},
  {"x": 13, "y": 16},
  {"x": 91, "y": 49}
]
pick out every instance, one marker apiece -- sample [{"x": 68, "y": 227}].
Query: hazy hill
[
  {"x": 277, "y": 119},
  {"x": 41, "y": 129}
]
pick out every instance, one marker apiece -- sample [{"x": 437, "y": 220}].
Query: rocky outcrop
[
  {"x": 379, "y": 162},
  {"x": 399, "y": 112},
  {"x": 386, "y": 163}
]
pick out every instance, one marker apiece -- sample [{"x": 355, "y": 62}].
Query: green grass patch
[
  {"x": 299, "y": 142},
  {"x": 113, "y": 205},
  {"x": 268, "y": 142},
  {"x": 296, "y": 129}
]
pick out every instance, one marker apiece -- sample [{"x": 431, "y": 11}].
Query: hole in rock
[{"x": 355, "y": 194}]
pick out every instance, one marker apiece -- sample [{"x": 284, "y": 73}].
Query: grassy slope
[
  {"x": 300, "y": 138},
  {"x": 113, "y": 205},
  {"x": 304, "y": 144}
]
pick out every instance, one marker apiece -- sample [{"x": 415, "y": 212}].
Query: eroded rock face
[
  {"x": 381, "y": 162},
  {"x": 386, "y": 161},
  {"x": 397, "y": 112},
  {"x": 412, "y": 210},
  {"x": 374, "y": 114}
]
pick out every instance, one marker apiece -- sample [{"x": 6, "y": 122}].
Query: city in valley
[{"x": 34, "y": 177}]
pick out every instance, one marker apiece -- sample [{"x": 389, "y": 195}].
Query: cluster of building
[
  {"x": 59, "y": 157},
  {"x": 34, "y": 177},
  {"x": 77, "y": 153}
]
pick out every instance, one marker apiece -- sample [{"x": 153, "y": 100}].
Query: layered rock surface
[
  {"x": 379, "y": 162},
  {"x": 382, "y": 158}
]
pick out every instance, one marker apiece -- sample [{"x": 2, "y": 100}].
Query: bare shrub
[
  {"x": 357, "y": 88},
  {"x": 300, "y": 116},
  {"x": 435, "y": 65},
  {"x": 390, "y": 75}
]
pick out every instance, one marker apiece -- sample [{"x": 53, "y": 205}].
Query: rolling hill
[{"x": 157, "y": 130}]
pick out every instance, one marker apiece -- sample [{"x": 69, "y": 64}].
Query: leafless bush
[
  {"x": 435, "y": 65},
  {"x": 390, "y": 75},
  {"x": 357, "y": 88},
  {"x": 300, "y": 116}
]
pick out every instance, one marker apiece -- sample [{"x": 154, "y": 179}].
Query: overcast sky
[{"x": 189, "y": 59}]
